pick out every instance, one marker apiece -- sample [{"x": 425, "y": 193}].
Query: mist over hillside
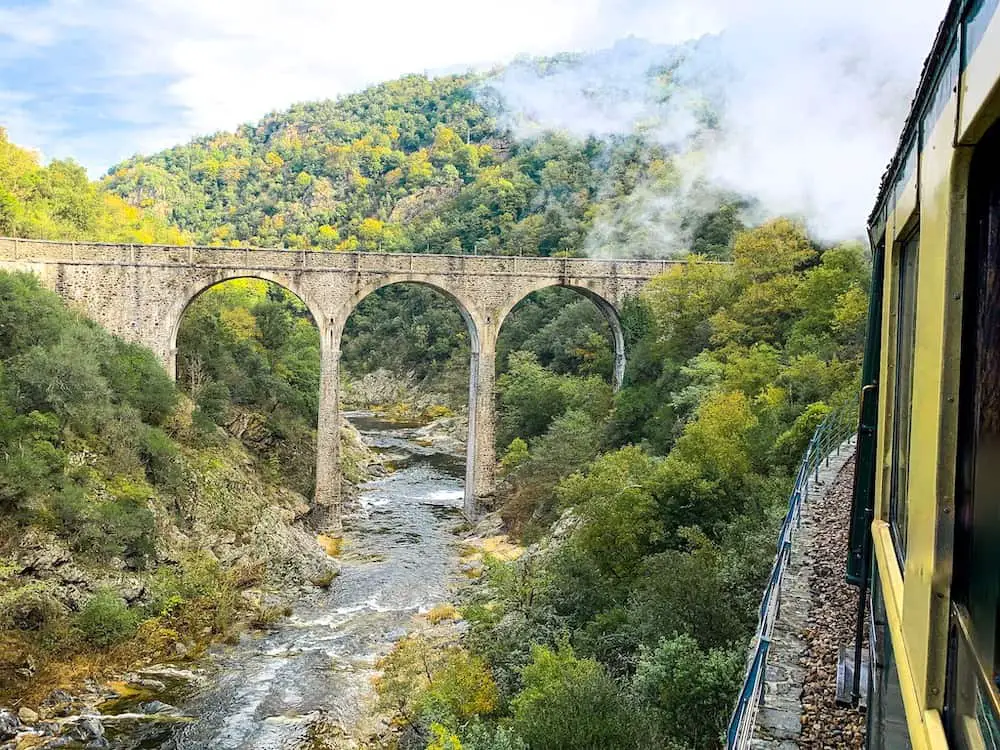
[{"x": 795, "y": 108}]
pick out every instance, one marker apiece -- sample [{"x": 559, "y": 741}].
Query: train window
[
  {"x": 906, "y": 329},
  {"x": 943, "y": 89},
  {"x": 974, "y": 700},
  {"x": 907, "y": 169}
]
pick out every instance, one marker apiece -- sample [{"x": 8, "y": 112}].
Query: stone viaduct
[{"x": 140, "y": 292}]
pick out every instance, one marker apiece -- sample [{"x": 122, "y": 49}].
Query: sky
[{"x": 99, "y": 80}]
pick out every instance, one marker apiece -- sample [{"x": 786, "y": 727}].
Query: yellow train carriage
[{"x": 926, "y": 518}]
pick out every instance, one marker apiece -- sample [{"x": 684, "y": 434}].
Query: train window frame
[
  {"x": 978, "y": 15},
  {"x": 974, "y": 653},
  {"x": 907, "y": 273},
  {"x": 886, "y": 720}
]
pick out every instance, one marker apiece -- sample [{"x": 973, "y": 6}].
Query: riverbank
[
  {"x": 231, "y": 560},
  {"x": 304, "y": 675}
]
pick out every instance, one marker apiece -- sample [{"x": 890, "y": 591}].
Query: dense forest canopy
[
  {"x": 58, "y": 202},
  {"x": 418, "y": 165},
  {"x": 653, "y": 509}
]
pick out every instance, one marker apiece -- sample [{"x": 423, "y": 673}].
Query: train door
[{"x": 973, "y": 702}]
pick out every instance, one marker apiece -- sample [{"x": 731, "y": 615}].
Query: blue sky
[{"x": 99, "y": 80}]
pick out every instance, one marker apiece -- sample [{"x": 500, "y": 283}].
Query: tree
[
  {"x": 690, "y": 689},
  {"x": 572, "y": 704}
]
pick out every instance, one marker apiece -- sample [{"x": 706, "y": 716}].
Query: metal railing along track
[{"x": 828, "y": 439}]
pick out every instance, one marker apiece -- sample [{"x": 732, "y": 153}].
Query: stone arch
[
  {"x": 469, "y": 313},
  {"x": 479, "y": 463},
  {"x": 608, "y": 309},
  {"x": 195, "y": 289}
]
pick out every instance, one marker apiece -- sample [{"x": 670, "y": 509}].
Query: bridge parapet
[{"x": 62, "y": 251}]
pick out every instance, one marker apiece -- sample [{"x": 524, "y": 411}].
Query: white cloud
[
  {"x": 812, "y": 94},
  {"x": 224, "y": 62}
]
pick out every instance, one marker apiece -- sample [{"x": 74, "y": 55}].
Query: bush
[
  {"x": 64, "y": 378},
  {"x": 791, "y": 444},
  {"x": 138, "y": 379},
  {"x": 481, "y": 737},
  {"x": 119, "y": 527},
  {"x": 462, "y": 687},
  {"x": 197, "y": 576},
  {"x": 162, "y": 459},
  {"x": 32, "y": 606},
  {"x": 422, "y": 682},
  {"x": 691, "y": 690},
  {"x": 106, "y": 619},
  {"x": 29, "y": 460},
  {"x": 29, "y": 315},
  {"x": 442, "y": 739},
  {"x": 213, "y": 402},
  {"x": 573, "y": 704}
]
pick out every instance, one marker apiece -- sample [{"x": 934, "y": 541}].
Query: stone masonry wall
[{"x": 779, "y": 718}]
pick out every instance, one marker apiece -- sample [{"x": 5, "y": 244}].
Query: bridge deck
[{"x": 277, "y": 259}]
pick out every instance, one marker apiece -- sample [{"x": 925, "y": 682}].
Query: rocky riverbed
[{"x": 305, "y": 679}]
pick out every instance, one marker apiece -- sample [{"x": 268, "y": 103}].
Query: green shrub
[
  {"x": 106, "y": 619},
  {"x": 196, "y": 576},
  {"x": 162, "y": 459},
  {"x": 791, "y": 444},
  {"x": 30, "y": 461},
  {"x": 213, "y": 402},
  {"x": 691, "y": 690},
  {"x": 64, "y": 378},
  {"x": 32, "y": 606},
  {"x": 138, "y": 379},
  {"x": 443, "y": 739},
  {"x": 462, "y": 687},
  {"x": 573, "y": 704},
  {"x": 29, "y": 315},
  {"x": 515, "y": 455},
  {"x": 122, "y": 436},
  {"x": 481, "y": 737},
  {"x": 119, "y": 527}
]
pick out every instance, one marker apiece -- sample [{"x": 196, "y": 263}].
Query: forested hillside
[
  {"x": 130, "y": 523},
  {"x": 414, "y": 165},
  {"x": 654, "y": 512},
  {"x": 430, "y": 165},
  {"x": 58, "y": 202}
]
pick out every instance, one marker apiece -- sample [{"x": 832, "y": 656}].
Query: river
[{"x": 400, "y": 558}]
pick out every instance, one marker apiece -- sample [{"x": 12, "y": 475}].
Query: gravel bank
[{"x": 825, "y": 725}]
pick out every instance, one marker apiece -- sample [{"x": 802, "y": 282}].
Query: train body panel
[{"x": 936, "y": 403}]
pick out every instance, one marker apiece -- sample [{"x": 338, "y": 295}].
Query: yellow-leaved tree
[{"x": 58, "y": 202}]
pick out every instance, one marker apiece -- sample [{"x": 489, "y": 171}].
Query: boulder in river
[
  {"x": 58, "y": 703},
  {"x": 89, "y": 730},
  {"x": 158, "y": 707}
]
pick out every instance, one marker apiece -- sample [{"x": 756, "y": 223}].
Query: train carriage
[{"x": 925, "y": 526}]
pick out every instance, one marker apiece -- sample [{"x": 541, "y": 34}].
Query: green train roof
[{"x": 962, "y": 24}]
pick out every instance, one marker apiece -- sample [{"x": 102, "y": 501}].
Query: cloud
[
  {"x": 812, "y": 96},
  {"x": 814, "y": 91}
]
